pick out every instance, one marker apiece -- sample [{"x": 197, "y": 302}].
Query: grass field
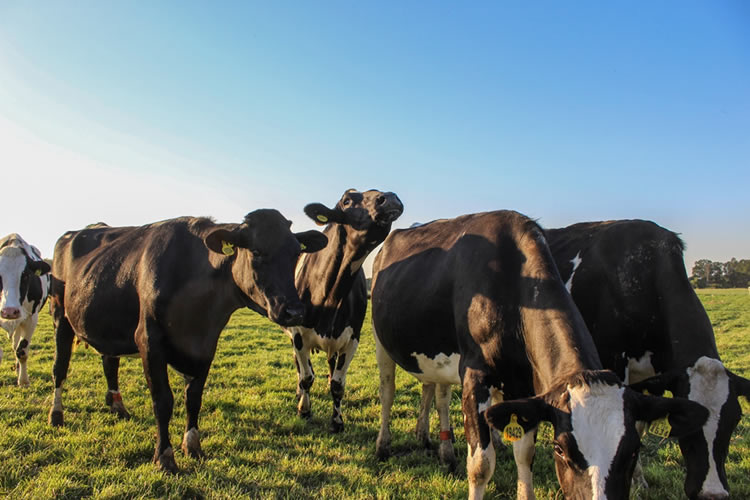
[{"x": 255, "y": 444}]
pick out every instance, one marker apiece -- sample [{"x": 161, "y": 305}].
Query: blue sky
[{"x": 133, "y": 112}]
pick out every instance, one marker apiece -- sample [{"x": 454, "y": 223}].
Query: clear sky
[{"x": 132, "y": 112}]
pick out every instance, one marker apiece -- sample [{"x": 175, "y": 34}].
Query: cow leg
[
  {"x": 305, "y": 376},
  {"x": 387, "y": 369},
  {"x": 113, "y": 398},
  {"x": 639, "y": 478},
  {"x": 423, "y": 420},
  {"x": 155, "y": 369},
  {"x": 480, "y": 461},
  {"x": 21, "y": 343},
  {"x": 63, "y": 348},
  {"x": 443, "y": 405},
  {"x": 191, "y": 441},
  {"x": 338, "y": 383},
  {"x": 523, "y": 452}
]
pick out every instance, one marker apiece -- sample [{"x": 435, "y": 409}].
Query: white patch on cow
[
  {"x": 639, "y": 369},
  {"x": 597, "y": 414},
  {"x": 311, "y": 339},
  {"x": 12, "y": 265},
  {"x": 523, "y": 452},
  {"x": 442, "y": 369},
  {"x": 709, "y": 386},
  {"x": 576, "y": 262},
  {"x": 480, "y": 463},
  {"x": 57, "y": 401},
  {"x": 300, "y": 264}
]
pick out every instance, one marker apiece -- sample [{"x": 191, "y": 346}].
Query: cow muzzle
[
  {"x": 287, "y": 314},
  {"x": 10, "y": 312}
]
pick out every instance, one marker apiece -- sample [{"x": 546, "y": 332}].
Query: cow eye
[
  {"x": 559, "y": 451},
  {"x": 347, "y": 202}
]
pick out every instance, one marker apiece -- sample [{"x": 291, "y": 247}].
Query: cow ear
[
  {"x": 684, "y": 416},
  {"x": 659, "y": 384},
  {"x": 322, "y": 215},
  {"x": 741, "y": 385},
  {"x": 528, "y": 412},
  {"x": 39, "y": 267},
  {"x": 311, "y": 241},
  {"x": 221, "y": 241}
]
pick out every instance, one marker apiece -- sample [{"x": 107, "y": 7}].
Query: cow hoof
[
  {"x": 56, "y": 418},
  {"x": 23, "y": 383},
  {"x": 382, "y": 452},
  {"x": 191, "y": 444},
  {"x": 336, "y": 427},
  {"x": 448, "y": 457},
  {"x": 166, "y": 462},
  {"x": 307, "y": 415},
  {"x": 121, "y": 413}
]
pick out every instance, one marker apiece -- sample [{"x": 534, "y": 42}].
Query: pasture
[{"x": 257, "y": 447}]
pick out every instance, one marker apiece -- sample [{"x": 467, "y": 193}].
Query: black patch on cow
[
  {"x": 341, "y": 362},
  {"x": 306, "y": 383},
  {"x": 298, "y": 341},
  {"x": 20, "y": 350},
  {"x": 331, "y": 363},
  {"x": 337, "y": 390}
]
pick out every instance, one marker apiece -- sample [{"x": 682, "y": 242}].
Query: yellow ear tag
[
  {"x": 513, "y": 431},
  {"x": 38, "y": 272},
  {"x": 227, "y": 248},
  {"x": 302, "y": 246},
  {"x": 661, "y": 428},
  {"x": 322, "y": 218}
]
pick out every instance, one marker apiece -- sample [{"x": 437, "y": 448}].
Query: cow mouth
[{"x": 388, "y": 216}]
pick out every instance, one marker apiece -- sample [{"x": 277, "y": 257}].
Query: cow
[
  {"x": 24, "y": 283},
  {"x": 164, "y": 291},
  {"x": 628, "y": 279},
  {"x": 478, "y": 300},
  {"x": 333, "y": 282}
]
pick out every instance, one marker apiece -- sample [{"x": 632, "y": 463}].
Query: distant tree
[
  {"x": 732, "y": 274},
  {"x": 701, "y": 273}
]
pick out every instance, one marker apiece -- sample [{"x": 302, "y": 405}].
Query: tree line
[{"x": 710, "y": 274}]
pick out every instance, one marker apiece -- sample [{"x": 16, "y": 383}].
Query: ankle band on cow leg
[{"x": 446, "y": 435}]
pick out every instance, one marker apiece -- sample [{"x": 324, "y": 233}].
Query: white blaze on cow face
[
  {"x": 709, "y": 386},
  {"x": 442, "y": 369},
  {"x": 597, "y": 415},
  {"x": 639, "y": 369},
  {"x": 12, "y": 265},
  {"x": 576, "y": 262}
]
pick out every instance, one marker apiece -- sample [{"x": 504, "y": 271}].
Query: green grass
[{"x": 256, "y": 445}]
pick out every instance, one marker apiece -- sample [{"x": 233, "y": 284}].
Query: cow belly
[
  {"x": 312, "y": 339},
  {"x": 437, "y": 369}
]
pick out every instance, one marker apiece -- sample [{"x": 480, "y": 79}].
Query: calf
[
  {"x": 165, "y": 291},
  {"x": 24, "y": 283},
  {"x": 332, "y": 281},
  {"x": 628, "y": 280},
  {"x": 478, "y": 300}
]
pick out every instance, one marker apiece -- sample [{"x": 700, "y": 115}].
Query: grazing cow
[
  {"x": 165, "y": 291},
  {"x": 628, "y": 280},
  {"x": 332, "y": 280},
  {"x": 24, "y": 283},
  {"x": 478, "y": 300}
]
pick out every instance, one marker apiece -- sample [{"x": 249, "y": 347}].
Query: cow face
[
  {"x": 596, "y": 442},
  {"x": 265, "y": 253},
  {"x": 370, "y": 213},
  {"x": 706, "y": 382},
  {"x": 16, "y": 270}
]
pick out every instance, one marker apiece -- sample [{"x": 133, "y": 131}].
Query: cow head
[
  {"x": 264, "y": 253},
  {"x": 596, "y": 442},
  {"x": 16, "y": 270},
  {"x": 706, "y": 382},
  {"x": 366, "y": 216}
]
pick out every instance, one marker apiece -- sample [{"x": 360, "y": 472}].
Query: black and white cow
[
  {"x": 24, "y": 283},
  {"x": 628, "y": 280},
  {"x": 333, "y": 281},
  {"x": 165, "y": 291},
  {"x": 478, "y": 300}
]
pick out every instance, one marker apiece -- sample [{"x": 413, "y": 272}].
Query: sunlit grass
[{"x": 256, "y": 445}]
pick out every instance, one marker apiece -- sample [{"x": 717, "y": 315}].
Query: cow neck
[
  {"x": 558, "y": 343},
  {"x": 328, "y": 274}
]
